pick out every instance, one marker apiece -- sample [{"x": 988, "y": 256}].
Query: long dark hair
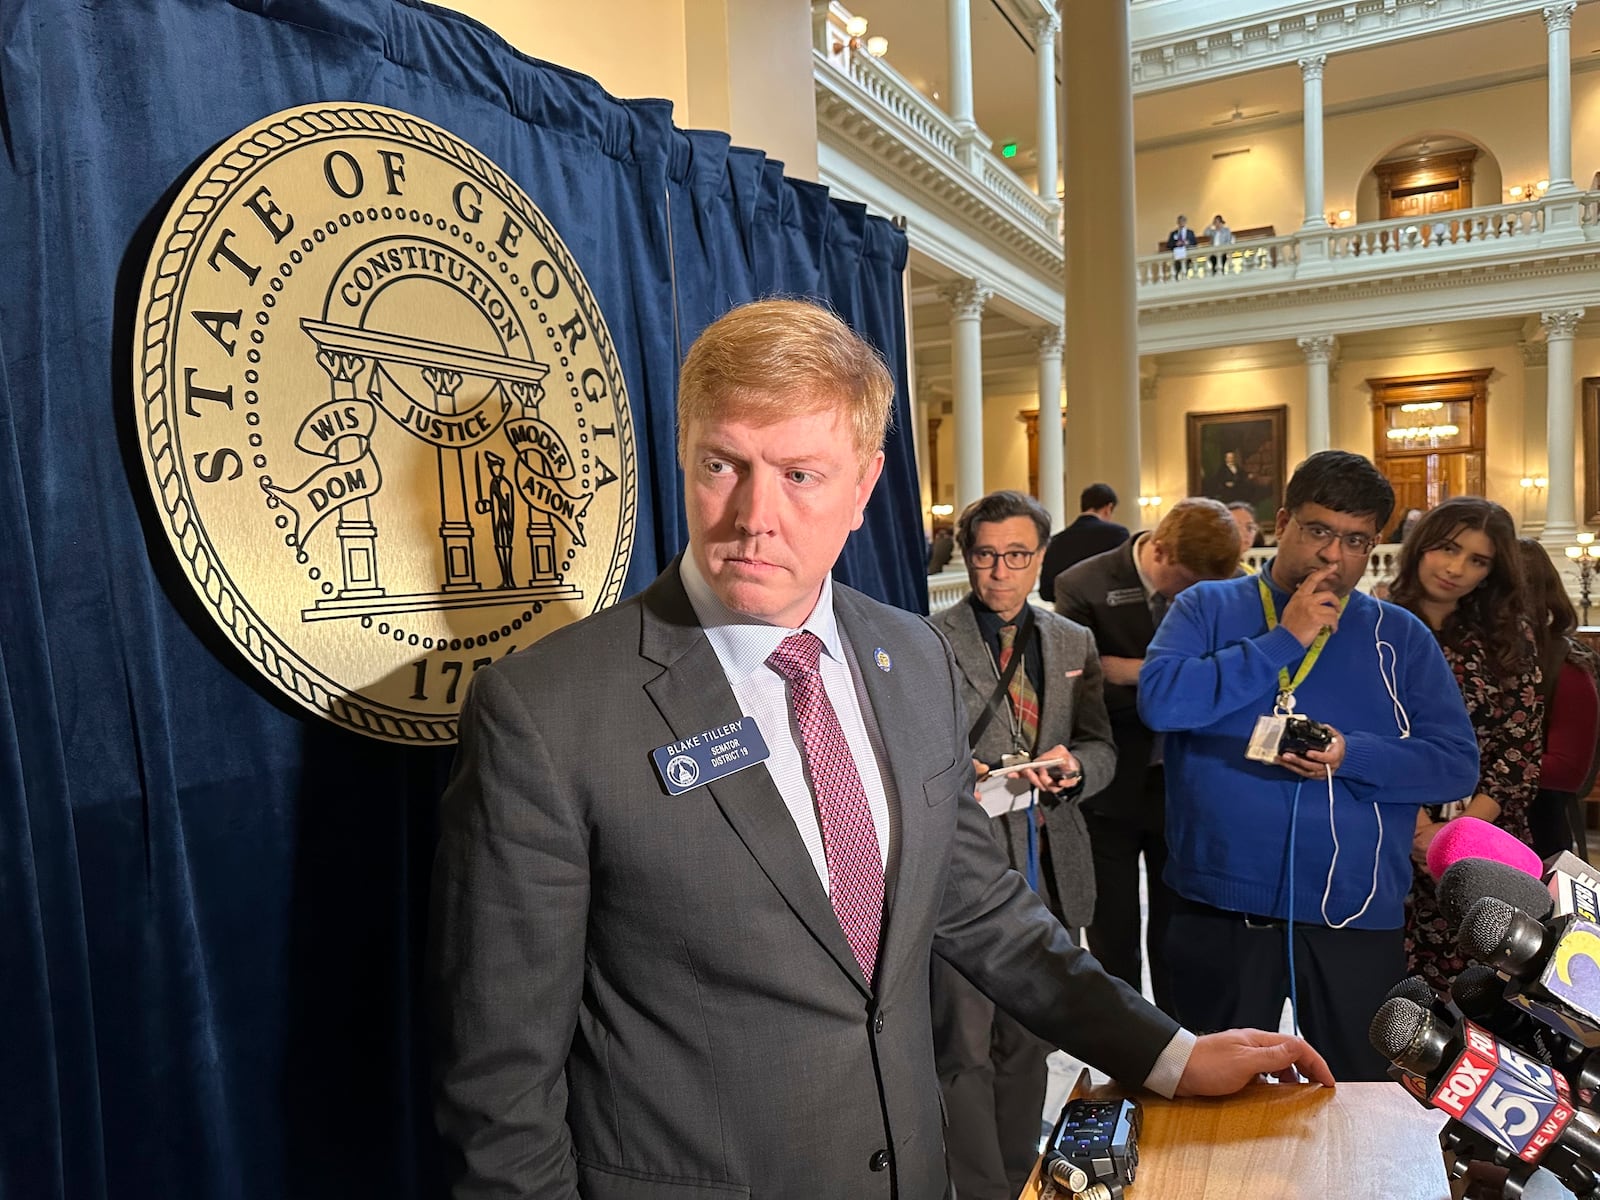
[
  {"x": 1550, "y": 609},
  {"x": 1497, "y": 609}
]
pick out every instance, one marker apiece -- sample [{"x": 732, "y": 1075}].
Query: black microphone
[
  {"x": 1555, "y": 966},
  {"x": 1471, "y": 879},
  {"x": 1516, "y": 1106}
]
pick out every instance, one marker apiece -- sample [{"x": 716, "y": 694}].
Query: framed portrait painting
[{"x": 1240, "y": 455}]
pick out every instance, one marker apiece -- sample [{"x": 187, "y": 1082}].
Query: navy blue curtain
[
  {"x": 740, "y": 230},
  {"x": 211, "y": 904}
]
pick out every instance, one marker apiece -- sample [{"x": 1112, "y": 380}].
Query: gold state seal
[{"x": 381, "y": 414}]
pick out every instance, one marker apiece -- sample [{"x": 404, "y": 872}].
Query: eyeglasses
[
  {"x": 983, "y": 558},
  {"x": 1321, "y": 535}
]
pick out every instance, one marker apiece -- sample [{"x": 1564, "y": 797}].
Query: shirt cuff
[{"x": 1164, "y": 1076}]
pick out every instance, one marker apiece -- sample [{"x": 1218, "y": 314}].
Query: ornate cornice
[
  {"x": 966, "y": 298},
  {"x": 1166, "y": 53},
  {"x": 1561, "y": 322},
  {"x": 879, "y": 121}
]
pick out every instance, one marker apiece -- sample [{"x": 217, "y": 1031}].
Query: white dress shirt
[{"x": 743, "y": 645}]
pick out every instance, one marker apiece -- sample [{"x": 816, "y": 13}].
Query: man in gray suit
[
  {"x": 699, "y": 848},
  {"x": 1031, "y": 685}
]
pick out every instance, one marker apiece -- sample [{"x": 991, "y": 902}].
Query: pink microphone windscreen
[{"x": 1468, "y": 837}]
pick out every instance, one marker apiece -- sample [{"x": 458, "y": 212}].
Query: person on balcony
[
  {"x": 1219, "y": 235},
  {"x": 1179, "y": 242}
]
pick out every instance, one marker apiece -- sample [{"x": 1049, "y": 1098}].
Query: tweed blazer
[{"x": 1072, "y": 713}]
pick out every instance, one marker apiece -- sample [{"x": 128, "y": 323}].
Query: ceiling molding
[{"x": 1285, "y": 33}]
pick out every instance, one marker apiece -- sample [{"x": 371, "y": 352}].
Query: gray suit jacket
[
  {"x": 642, "y": 995},
  {"x": 1072, "y": 713}
]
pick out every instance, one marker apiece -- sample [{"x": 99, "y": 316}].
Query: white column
[
  {"x": 1044, "y": 53},
  {"x": 1102, "y": 326},
  {"x": 1558, "y": 33},
  {"x": 1535, "y": 452},
  {"x": 1051, "y": 488},
  {"x": 1560, "y": 525},
  {"x": 1318, "y": 349},
  {"x": 959, "y": 15},
  {"x": 967, "y": 299},
  {"x": 1311, "y": 78}
]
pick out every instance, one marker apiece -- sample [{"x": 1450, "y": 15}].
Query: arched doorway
[{"x": 1428, "y": 174}]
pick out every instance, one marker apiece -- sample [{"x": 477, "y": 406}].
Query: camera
[{"x": 1301, "y": 733}]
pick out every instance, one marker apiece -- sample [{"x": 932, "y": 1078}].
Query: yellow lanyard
[{"x": 1286, "y": 686}]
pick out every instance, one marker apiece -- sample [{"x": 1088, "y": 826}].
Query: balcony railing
[
  {"x": 1394, "y": 246},
  {"x": 874, "y": 110}
]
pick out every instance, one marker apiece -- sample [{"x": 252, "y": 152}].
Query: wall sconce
[
  {"x": 1150, "y": 505},
  {"x": 1529, "y": 191},
  {"x": 1586, "y": 553},
  {"x": 1536, "y": 482},
  {"x": 941, "y": 510},
  {"x": 1342, "y": 217}
]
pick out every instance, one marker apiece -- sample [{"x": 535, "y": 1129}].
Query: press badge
[{"x": 709, "y": 755}]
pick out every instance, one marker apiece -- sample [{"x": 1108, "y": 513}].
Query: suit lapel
[
  {"x": 972, "y": 653},
  {"x": 895, "y": 705},
  {"x": 692, "y": 694}
]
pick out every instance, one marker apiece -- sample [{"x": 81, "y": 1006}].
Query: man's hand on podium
[{"x": 1222, "y": 1063}]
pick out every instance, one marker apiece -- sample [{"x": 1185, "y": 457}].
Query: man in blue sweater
[{"x": 1320, "y": 840}]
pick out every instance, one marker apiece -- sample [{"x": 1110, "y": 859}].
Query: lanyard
[{"x": 1286, "y": 686}]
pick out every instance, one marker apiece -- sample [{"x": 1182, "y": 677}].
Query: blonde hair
[
  {"x": 1200, "y": 535},
  {"x": 773, "y": 359}
]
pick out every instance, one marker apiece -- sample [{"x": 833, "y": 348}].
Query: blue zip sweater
[{"x": 1212, "y": 670}]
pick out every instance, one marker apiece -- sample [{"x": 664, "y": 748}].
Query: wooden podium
[{"x": 1285, "y": 1141}]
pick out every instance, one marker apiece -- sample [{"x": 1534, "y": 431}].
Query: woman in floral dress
[{"x": 1460, "y": 572}]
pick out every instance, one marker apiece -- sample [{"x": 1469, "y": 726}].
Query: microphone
[
  {"x": 1518, "y": 1106},
  {"x": 1555, "y": 966},
  {"x": 1469, "y": 880},
  {"x": 1468, "y": 837},
  {"x": 1479, "y": 993}
]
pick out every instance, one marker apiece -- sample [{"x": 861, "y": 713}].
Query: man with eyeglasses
[
  {"x": 1032, "y": 688},
  {"x": 1319, "y": 841}
]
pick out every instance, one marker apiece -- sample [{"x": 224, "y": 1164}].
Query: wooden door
[{"x": 1424, "y": 463}]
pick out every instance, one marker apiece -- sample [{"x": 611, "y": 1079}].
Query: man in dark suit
[
  {"x": 1092, "y": 533},
  {"x": 1121, "y": 596},
  {"x": 699, "y": 848},
  {"x": 1030, "y": 682}
]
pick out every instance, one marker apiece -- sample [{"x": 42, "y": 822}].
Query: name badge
[
  {"x": 1121, "y": 596},
  {"x": 709, "y": 755}
]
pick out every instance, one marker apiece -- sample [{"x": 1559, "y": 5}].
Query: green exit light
[{"x": 1009, "y": 150}]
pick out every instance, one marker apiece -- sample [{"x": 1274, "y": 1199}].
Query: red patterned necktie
[
  {"x": 1024, "y": 700},
  {"x": 849, "y": 839}
]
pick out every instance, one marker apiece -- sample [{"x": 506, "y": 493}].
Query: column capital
[
  {"x": 1535, "y": 354},
  {"x": 1148, "y": 386},
  {"x": 1311, "y": 66},
  {"x": 1560, "y": 323},
  {"x": 1559, "y": 15},
  {"x": 1317, "y": 347},
  {"x": 1046, "y": 27},
  {"x": 1050, "y": 339},
  {"x": 966, "y": 298}
]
